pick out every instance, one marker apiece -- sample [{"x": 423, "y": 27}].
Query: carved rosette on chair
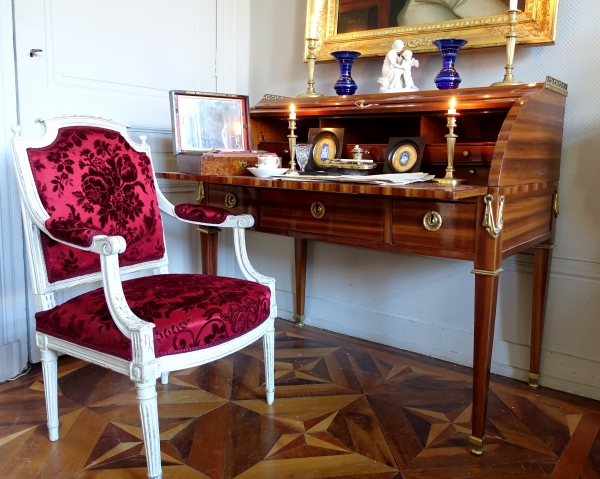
[{"x": 91, "y": 212}]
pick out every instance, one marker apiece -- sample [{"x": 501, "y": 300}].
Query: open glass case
[{"x": 204, "y": 122}]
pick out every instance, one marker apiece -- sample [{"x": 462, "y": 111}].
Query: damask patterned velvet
[
  {"x": 91, "y": 180},
  {"x": 202, "y": 214},
  {"x": 190, "y": 312}
]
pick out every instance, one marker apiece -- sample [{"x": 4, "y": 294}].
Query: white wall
[
  {"x": 13, "y": 307},
  {"x": 426, "y": 304}
]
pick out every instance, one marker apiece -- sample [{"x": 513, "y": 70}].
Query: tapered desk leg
[
  {"x": 488, "y": 259},
  {"x": 300, "y": 267},
  {"x": 209, "y": 249},
  {"x": 541, "y": 279}
]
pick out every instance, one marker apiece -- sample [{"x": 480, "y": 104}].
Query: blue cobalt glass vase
[
  {"x": 345, "y": 85},
  {"x": 448, "y": 78}
]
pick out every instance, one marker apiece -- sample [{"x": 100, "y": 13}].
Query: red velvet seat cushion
[
  {"x": 202, "y": 214},
  {"x": 190, "y": 311}
]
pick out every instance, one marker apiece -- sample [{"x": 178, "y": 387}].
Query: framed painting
[{"x": 371, "y": 26}]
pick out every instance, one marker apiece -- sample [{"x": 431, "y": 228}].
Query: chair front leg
[
  {"x": 269, "y": 351},
  {"x": 49, "y": 371},
  {"x": 146, "y": 396}
]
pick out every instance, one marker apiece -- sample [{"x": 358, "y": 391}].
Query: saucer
[{"x": 266, "y": 172}]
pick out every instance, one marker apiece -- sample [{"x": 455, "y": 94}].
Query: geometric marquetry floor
[{"x": 344, "y": 408}]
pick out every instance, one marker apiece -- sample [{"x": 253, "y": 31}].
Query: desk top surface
[{"x": 426, "y": 190}]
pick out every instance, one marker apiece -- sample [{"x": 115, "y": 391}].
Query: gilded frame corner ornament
[{"x": 537, "y": 26}]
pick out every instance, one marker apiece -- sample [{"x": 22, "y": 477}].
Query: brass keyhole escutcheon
[
  {"x": 432, "y": 221},
  {"x": 317, "y": 209},
  {"x": 230, "y": 200}
]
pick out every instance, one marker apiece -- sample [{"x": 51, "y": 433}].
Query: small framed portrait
[
  {"x": 404, "y": 154},
  {"x": 326, "y": 146},
  {"x": 205, "y": 122}
]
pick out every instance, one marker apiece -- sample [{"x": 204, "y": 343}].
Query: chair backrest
[{"x": 86, "y": 174}]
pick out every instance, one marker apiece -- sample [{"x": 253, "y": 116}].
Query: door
[
  {"x": 115, "y": 59},
  {"x": 118, "y": 59}
]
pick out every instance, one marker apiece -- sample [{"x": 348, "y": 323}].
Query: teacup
[{"x": 268, "y": 161}]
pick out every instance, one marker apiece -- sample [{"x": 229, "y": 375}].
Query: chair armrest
[
  {"x": 203, "y": 215},
  {"x": 88, "y": 237}
]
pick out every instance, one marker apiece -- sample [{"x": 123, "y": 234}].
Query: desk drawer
[
  {"x": 457, "y": 231},
  {"x": 237, "y": 199},
  {"x": 333, "y": 215}
]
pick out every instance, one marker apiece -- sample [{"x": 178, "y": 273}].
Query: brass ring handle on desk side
[
  {"x": 317, "y": 209},
  {"x": 432, "y": 221},
  {"x": 230, "y": 200}
]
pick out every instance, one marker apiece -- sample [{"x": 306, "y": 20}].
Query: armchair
[{"x": 90, "y": 206}]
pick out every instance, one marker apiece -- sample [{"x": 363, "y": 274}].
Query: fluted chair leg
[
  {"x": 269, "y": 348},
  {"x": 146, "y": 396},
  {"x": 49, "y": 370}
]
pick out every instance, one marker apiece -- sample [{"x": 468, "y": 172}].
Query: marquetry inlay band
[
  {"x": 545, "y": 246},
  {"x": 483, "y": 272}
]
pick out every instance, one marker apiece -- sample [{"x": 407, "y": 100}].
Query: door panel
[{"x": 113, "y": 59}]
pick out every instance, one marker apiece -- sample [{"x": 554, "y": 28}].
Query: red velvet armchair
[{"x": 91, "y": 212}]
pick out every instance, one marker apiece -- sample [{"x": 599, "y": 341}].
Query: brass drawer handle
[
  {"x": 230, "y": 200},
  {"x": 432, "y": 221},
  {"x": 317, "y": 209},
  {"x": 243, "y": 164}
]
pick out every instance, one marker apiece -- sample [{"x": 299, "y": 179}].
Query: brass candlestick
[
  {"x": 511, "y": 39},
  {"x": 292, "y": 142},
  {"x": 311, "y": 57},
  {"x": 451, "y": 137}
]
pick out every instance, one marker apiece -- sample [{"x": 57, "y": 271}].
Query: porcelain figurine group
[{"x": 396, "y": 72}]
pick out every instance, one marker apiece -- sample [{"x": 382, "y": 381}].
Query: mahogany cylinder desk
[{"x": 508, "y": 149}]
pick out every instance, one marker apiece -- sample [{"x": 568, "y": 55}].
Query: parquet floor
[{"x": 344, "y": 408}]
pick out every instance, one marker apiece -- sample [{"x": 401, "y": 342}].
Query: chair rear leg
[
  {"x": 164, "y": 378},
  {"x": 146, "y": 396},
  {"x": 49, "y": 370},
  {"x": 269, "y": 351}
]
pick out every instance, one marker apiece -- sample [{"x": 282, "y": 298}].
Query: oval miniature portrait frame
[{"x": 325, "y": 147}]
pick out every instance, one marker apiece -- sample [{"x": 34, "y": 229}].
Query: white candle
[
  {"x": 513, "y": 5},
  {"x": 292, "y": 112},
  {"x": 452, "y": 109},
  {"x": 313, "y": 26}
]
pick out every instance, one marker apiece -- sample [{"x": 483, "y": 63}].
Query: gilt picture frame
[{"x": 538, "y": 22}]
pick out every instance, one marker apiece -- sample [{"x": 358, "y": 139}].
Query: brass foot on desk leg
[
  {"x": 534, "y": 380},
  {"x": 476, "y": 445},
  {"x": 299, "y": 318}
]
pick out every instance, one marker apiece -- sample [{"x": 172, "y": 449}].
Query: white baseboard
[{"x": 564, "y": 372}]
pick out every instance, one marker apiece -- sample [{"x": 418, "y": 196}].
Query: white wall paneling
[
  {"x": 425, "y": 304},
  {"x": 117, "y": 61},
  {"x": 13, "y": 307}
]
